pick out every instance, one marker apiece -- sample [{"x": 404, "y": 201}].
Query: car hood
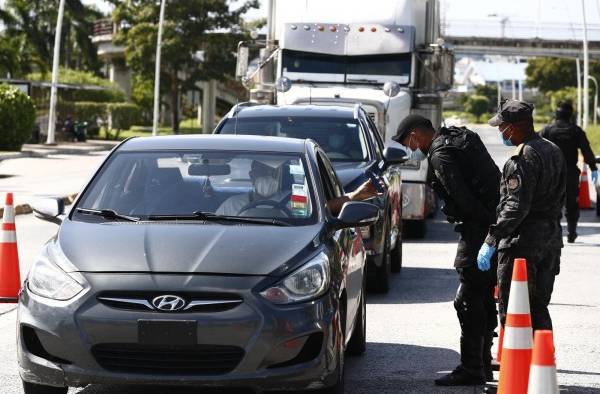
[
  {"x": 351, "y": 174},
  {"x": 182, "y": 247}
]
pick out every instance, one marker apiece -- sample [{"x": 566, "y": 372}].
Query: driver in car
[{"x": 265, "y": 180}]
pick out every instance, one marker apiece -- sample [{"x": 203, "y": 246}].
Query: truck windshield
[
  {"x": 376, "y": 69},
  {"x": 341, "y": 139}
]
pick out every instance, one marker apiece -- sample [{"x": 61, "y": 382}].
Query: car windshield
[
  {"x": 150, "y": 185},
  {"x": 342, "y": 139},
  {"x": 373, "y": 69}
]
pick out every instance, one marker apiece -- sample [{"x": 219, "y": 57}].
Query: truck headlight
[
  {"x": 47, "y": 280},
  {"x": 306, "y": 283}
]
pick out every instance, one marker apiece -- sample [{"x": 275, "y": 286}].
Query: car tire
[
  {"x": 415, "y": 228},
  {"x": 33, "y": 388},
  {"x": 358, "y": 341},
  {"x": 381, "y": 280}
]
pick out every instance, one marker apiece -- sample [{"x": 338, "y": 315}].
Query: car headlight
[
  {"x": 47, "y": 280},
  {"x": 308, "y": 282}
]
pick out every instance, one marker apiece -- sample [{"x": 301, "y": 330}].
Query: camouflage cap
[{"x": 512, "y": 111}]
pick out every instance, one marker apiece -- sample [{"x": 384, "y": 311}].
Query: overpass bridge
[{"x": 522, "y": 47}]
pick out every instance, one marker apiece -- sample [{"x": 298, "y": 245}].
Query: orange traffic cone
[
  {"x": 518, "y": 335},
  {"x": 542, "y": 377},
  {"x": 10, "y": 278},
  {"x": 500, "y": 344},
  {"x": 584, "y": 190}
]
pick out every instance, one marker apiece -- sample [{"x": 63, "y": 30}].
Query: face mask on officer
[
  {"x": 507, "y": 141},
  {"x": 417, "y": 154}
]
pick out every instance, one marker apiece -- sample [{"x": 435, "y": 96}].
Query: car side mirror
[
  {"x": 394, "y": 155},
  {"x": 357, "y": 214},
  {"x": 50, "y": 209}
]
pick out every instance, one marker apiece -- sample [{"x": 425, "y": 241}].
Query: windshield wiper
[
  {"x": 362, "y": 80},
  {"x": 210, "y": 216},
  {"x": 107, "y": 214}
]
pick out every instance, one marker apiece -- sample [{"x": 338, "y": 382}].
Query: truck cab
[{"x": 388, "y": 58}]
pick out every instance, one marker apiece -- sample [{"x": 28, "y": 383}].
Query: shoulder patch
[{"x": 513, "y": 183}]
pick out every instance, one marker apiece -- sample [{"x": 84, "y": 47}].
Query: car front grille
[{"x": 168, "y": 360}]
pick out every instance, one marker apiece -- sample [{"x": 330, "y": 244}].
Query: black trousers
[
  {"x": 572, "y": 200},
  {"x": 476, "y": 311},
  {"x": 543, "y": 264}
]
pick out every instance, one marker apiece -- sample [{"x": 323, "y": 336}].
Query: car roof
[
  {"x": 331, "y": 111},
  {"x": 216, "y": 142}
]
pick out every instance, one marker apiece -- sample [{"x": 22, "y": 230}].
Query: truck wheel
[
  {"x": 415, "y": 228},
  {"x": 32, "y": 388},
  {"x": 358, "y": 340}
]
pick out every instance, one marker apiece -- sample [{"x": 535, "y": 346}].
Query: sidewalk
[{"x": 49, "y": 171}]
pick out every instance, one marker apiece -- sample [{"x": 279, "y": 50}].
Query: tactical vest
[{"x": 564, "y": 135}]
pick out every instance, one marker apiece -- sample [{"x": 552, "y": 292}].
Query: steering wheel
[{"x": 275, "y": 205}]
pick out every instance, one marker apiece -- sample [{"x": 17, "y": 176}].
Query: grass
[{"x": 593, "y": 134}]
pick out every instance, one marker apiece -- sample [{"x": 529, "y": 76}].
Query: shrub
[
  {"x": 477, "y": 105},
  {"x": 123, "y": 116},
  {"x": 17, "y": 117},
  {"x": 91, "y": 113}
]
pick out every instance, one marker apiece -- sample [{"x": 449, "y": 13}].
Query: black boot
[
  {"x": 488, "y": 371},
  {"x": 572, "y": 228},
  {"x": 461, "y": 377}
]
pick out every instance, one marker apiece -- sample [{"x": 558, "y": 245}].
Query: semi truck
[{"x": 386, "y": 55}]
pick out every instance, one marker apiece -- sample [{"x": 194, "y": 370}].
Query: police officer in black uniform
[
  {"x": 532, "y": 194},
  {"x": 570, "y": 138},
  {"x": 466, "y": 178}
]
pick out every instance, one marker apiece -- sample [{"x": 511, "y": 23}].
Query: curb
[{"x": 23, "y": 209}]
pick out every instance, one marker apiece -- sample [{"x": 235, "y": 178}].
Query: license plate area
[{"x": 168, "y": 332}]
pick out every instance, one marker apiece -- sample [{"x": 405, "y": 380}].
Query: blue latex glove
[
  {"x": 595, "y": 177},
  {"x": 484, "y": 258}
]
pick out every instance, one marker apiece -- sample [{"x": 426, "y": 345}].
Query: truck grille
[{"x": 168, "y": 360}]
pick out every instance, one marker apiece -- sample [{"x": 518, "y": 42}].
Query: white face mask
[
  {"x": 265, "y": 186},
  {"x": 416, "y": 155}
]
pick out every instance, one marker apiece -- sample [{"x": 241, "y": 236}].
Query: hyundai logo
[{"x": 168, "y": 303}]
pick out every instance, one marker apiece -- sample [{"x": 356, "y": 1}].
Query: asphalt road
[{"x": 412, "y": 331}]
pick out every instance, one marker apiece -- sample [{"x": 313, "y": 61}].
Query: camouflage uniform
[
  {"x": 471, "y": 194},
  {"x": 532, "y": 193}
]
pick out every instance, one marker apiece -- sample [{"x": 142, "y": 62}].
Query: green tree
[
  {"x": 477, "y": 105},
  {"x": 491, "y": 93},
  {"x": 550, "y": 74},
  {"x": 35, "y": 23},
  {"x": 199, "y": 40}
]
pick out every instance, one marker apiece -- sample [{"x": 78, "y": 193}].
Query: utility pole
[
  {"x": 54, "y": 85},
  {"x": 586, "y": 71},
  {"x": 156, "y": 116},
  {"x": 578, "y": 92}
]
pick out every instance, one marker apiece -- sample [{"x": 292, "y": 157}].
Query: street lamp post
[
  {"x": 593, "y": 79},
  {"x": 586, "y": 71},
  {"x": 161, "y": 20},
  {"x": 53, "y": 87}
]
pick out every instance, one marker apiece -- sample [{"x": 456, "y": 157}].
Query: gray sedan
[{"x": 200, "y": 260}]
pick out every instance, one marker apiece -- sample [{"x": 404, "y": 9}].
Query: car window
[
  {"x": 342, "y": 139},
  {"x": 376, "y": 133},
  {"x": 249, "y": 184},
  {"x": 329, "y": 178}
]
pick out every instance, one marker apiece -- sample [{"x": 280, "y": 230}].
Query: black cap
[
  {"x": 512, "y": 111},
  {"x": 409, "y": 123}
]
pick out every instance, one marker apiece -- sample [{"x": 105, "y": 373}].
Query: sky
[{"x": 552, "y": 19}]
